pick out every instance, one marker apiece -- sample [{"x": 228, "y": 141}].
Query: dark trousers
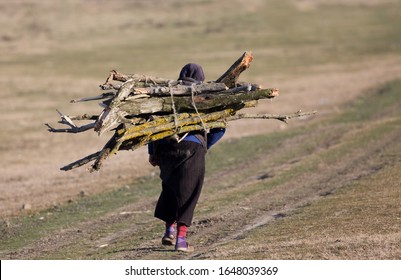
[{"x": 182, "y": 169}]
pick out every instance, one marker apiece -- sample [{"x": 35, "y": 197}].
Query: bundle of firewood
[{"x": 142, "y": 109}]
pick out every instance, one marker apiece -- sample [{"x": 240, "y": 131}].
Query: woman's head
[{"x": 192, "y": 71}]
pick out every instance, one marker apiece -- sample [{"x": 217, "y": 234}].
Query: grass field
[
  {"x": 325, "y": 187},
  {"x": 334, "y": 195}
]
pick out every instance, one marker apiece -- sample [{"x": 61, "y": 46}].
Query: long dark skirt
[{"x": 182, "y": 169}]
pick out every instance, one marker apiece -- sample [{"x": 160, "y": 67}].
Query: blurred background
[{"x": 319, "y": 53}]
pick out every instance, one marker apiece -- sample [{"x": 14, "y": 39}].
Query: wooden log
[
  {"x": 230, "y": 77},
  {"x": 135, "y": 78},
  {"x": 180, "y": 90},
  {"x": 204, "y": 102}
]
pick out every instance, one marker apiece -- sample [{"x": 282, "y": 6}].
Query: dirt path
[{"x": 32, "y": 178}]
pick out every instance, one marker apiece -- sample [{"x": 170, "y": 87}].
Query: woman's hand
[{"x": 153, "y": 161}]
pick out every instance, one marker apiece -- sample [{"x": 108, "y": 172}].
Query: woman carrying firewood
[{"x": 182, "y": 169}]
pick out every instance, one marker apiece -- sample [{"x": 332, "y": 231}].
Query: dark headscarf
[{"x": 192, "y": 73}]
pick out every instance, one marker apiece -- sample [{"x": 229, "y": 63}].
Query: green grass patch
[{"x": 374, "y": 105}]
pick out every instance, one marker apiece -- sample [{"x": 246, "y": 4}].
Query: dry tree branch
[
  {"x": 279, "y": 117},
  {"x": 76, "y": 129}
]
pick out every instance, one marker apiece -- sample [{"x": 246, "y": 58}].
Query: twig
[
  {"x": 80, "y": 162},
  {"x": 84, "y": 117},
  {"x": 97, "y": 97},
  {"x": 282, "y": 118},
  {"x": 75, "y": 129},
  {"x": 66, "y": 119}
]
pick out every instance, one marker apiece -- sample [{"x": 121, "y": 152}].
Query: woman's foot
[
  {"x": 168, "y": 237},
  {"x": 183, "y": 246},
  {"x": 168, "y": 240}
]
